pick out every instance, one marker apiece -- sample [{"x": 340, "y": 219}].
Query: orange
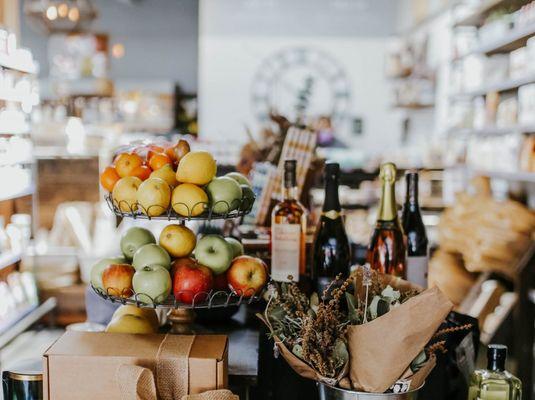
[
  {"x": 153, "y": 149},
  {"x": 170, "y": 152},
  {"x": 158, "y": 160},
  {"x": 125, "y": 163},
  {"x": 142, "y": 172},
  {"x": 108, "y": 178}
]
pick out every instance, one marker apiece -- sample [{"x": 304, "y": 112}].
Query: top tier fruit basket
[
  {"x": 170, "y": 182},
  {"x": 181, "y": 211}
]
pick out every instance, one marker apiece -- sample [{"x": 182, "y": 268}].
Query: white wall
[{"x": 237, "y": 35}]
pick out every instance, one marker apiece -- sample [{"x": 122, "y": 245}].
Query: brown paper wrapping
[
  {"x": 404, "y": 331},
  {"x": 381, "y": 350}
]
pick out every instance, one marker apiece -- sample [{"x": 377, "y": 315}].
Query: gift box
[{"x": 85, "y": 365}]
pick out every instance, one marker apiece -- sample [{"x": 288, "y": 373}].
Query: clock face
[{"x": 301, "y": 82}]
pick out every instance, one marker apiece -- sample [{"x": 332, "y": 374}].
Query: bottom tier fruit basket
[{"x": 181, "y": 313}]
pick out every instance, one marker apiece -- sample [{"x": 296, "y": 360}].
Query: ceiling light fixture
[{"x": 50, "y": 16}]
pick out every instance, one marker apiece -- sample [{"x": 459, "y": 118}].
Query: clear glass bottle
[
  {"x": 288, "y": 231},
  {"x": 387, "y": 253},
  {"x": 495, "y": 383}
]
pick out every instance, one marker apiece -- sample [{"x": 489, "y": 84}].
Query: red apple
[
  {"x": 220, "y": 282},
  {"x": 247, "y": 275},
  {"x": 181, "y": 261},
  {"x": 117, "y": 280},
  {"x": 191, "y": 281}
]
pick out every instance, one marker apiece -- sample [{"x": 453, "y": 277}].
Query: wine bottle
[
  {"x": 413, "y": 226},
  {"x": 494, "y": 383},
  {"x": 331, "y": 245},
  {"x": 386, "y": 251},
  {"x": 288, "y": 230}
]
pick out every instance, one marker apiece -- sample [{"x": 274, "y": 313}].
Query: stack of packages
[
  {"x": 371, "y": 333},
  {"x": 88, "y": 365},
  {"x": 482, "y": 235}
]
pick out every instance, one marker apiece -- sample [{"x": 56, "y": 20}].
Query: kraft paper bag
[{"x": 380, "y": 351}]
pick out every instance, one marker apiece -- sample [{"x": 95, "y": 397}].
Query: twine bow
[{"x": 170, "y": 378}]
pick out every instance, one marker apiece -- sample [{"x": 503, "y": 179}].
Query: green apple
[
  {"x": 214, "y": 252},
  {"x": 248, "y": 197},
  {"x": 237, "y": 247},
  {"x": 152, "y": 283},
  {"x": 225, "y": 194},
  {"x": 133, "y": 239},
  {"x": 98, "y": 268},
  {"x": 240, "y": 178},
  {"x": 151, "y": 254}
]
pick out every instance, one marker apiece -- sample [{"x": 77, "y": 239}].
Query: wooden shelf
[
  {"x": 21, "y": 193},
  {"x": 6, "y": 61},
  {"x": 493, "y": 130},
  {"x": 503, "y": 86},
  {"x": 413, "y": 106},
  {"x": 526, "y": 177},
  {"x": 26, "y": 318},
  {"x": 9, "y": 258},
  {"x": 478, "y": 16}
]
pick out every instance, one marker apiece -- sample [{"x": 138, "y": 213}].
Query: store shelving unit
[
  {"x": 521, "y": 309},
  {"x": 24, "y": 316}
]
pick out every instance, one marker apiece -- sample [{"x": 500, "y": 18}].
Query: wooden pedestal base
[{"x": 181, "y": 320}]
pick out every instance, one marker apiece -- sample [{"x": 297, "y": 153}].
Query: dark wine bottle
[
  {"x": 387, "y": 251},
  {"x": 414, "y": 228},
  {"x": 331, "y": 245}
]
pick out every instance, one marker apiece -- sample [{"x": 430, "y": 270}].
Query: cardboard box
[{"x": 84, "y": 365}]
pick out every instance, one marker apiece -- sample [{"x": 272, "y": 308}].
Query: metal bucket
[{"x": 333, "y": 393}]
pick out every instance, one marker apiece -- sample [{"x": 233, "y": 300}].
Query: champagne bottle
[
  {"x": 386, "y": 251},
  {"x": 288, "y": 230},
  {"x": 331, "y": 245},
  {"x": 413, "y": 226},
  {"x": 494, "y": 383}
]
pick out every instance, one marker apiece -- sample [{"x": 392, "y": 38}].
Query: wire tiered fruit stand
[{"x": 182, "y": 314}]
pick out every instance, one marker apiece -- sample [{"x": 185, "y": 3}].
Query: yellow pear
[
  {"x": 153, "y": 197},
  {"x": 124, "y": 193},
  {"x": 148, "y": 313},
  {"x": 178, "y": 240},
  {"x": 129, "y": 323},
  {"x": 197, "y": 167},
  {"x": 189, "y": 200},
  {"x": 166, "y": 173}
]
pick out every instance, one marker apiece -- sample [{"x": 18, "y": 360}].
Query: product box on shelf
[{"x": 115, "y": 366}]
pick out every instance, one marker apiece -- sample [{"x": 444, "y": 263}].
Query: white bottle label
[
  {"x": 417, "y": 270},
  {"x": 285, "y": 248}
]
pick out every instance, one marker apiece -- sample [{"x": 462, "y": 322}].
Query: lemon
[
  {"x": 197, "y": 167},
  {"x": 189, "y": 200}
]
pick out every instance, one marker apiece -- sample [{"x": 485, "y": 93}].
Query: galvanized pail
[{"x": 333, "y": 393}]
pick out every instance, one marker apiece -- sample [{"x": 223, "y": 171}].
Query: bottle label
[
  {"x": 285, "y": 248},
  {"x": 417, "y": 270},
  {"x": 332, "y": 214}
]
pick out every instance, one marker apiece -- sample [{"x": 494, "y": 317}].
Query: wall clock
[{"x": 299, "y": 76}]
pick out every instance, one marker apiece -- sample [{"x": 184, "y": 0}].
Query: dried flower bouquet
[{"x": 368, "y": 332}]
